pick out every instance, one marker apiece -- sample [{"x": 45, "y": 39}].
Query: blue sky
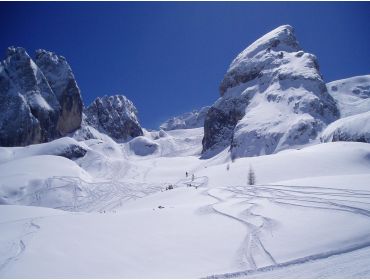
[{"x": 169, "y": 57}]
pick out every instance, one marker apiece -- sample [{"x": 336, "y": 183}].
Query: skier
[
  {"x": 192, "y": 177},
  {"x": 186, "y": 173}
]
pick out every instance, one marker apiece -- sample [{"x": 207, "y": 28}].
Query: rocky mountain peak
[
  {"x": 250, "y": 63},
  {"x": 272, "y": 97},
  {"x": 19, "y": 51},
  {"x": 32, "y": 111},
  {"x": 114, "y": 115},
  {"x": 63, "y": 83}
]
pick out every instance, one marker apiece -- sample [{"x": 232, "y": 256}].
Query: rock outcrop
[
  {"x": 115, "y": 116},
  {"x": 272, "y": 97},
  {"x": 63, "y": 83},
  {"x": 354, "y": 128},
  {"x": 192, "y": 119},
  {"x": 31, "y": 110}
]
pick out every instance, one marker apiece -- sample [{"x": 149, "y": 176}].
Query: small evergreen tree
[{"x": 251, "y": 176}]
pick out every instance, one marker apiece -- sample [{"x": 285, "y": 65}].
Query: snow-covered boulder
[
  {"x": 354, "y": 128},
  {"x": 192, "y": 119},
  {"x": 64, "y": 147},
  {"x": 115, "y": 116},
  {"x": 143, "y": 146},
  {"x": 63, "y": 83},
  {"x": 352, "y": 95},
  {"x": 272, "y": 97}
]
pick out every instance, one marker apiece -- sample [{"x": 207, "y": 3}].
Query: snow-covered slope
[
  {"x": 353, "y": 128},
  {"x": 352, "y": 95},
  {"x": 192, "y": 119},
  {"x": 115, "y": 116},
  {"x": 272, "y": 97},
  {"x": 308, "y": 215},
  {"x": 178, "y": 142}
]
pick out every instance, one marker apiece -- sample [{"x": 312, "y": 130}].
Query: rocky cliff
[
  {"x": 32, "y": 106},
  {"x": 63, "y": 83},
  {"x": 272, "y": 97},
  {"x": 115, "y": 116}
]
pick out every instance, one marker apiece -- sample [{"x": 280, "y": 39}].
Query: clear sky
[{"x": 169, "y": 57}]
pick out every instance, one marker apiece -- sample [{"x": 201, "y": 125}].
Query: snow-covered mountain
[
  {"x": 272, "y": 97},
  {"x": 192, "y": 119},
  {"x": 148, "y": 199},
  {"x": 36, "y": 107},
  {"x": 352, "y": 95},
  {"x": 115, "y": 116}
]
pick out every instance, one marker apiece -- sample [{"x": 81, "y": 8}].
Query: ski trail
[
  {"x": 252, "y": 247},
  {"x": 331, "y": 199},
  {"x": 19, "y": 245},
  {"x": 240, "y": 274}
]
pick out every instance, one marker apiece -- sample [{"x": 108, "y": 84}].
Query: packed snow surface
[{"x": 115, "y": 216}]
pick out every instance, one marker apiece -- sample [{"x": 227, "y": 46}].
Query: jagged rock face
[
  {"x": 30, "y": 110},
  {"x": 62, "y": 81},
  {"x": 272, "y": 97},
  {"x": 193, "y": 119},
  {"x": 115, "y": 116},
  {"x": 40, "y": 101},
  {"x": 352, "y": 95}
]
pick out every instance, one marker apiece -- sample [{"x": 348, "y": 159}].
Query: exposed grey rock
[
  {"x": 63, "y": 83},
  {"x": 115, "y": 116},
  {"x": 30, "y": 110},
  {"x": 272, "y": 97},
  {"x": 40, "y": 102},
  {"x": 192, "y": 119}
]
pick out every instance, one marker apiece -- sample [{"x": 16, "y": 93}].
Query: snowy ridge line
[{"x": 298, "y": 261}]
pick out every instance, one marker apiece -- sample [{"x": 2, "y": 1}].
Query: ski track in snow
[
  {"x": 19, "y": 244},
  {"x": 252, "y": 244},
  {"x": 332, "y": 199},
  {"x": 110, "y": 195}
]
